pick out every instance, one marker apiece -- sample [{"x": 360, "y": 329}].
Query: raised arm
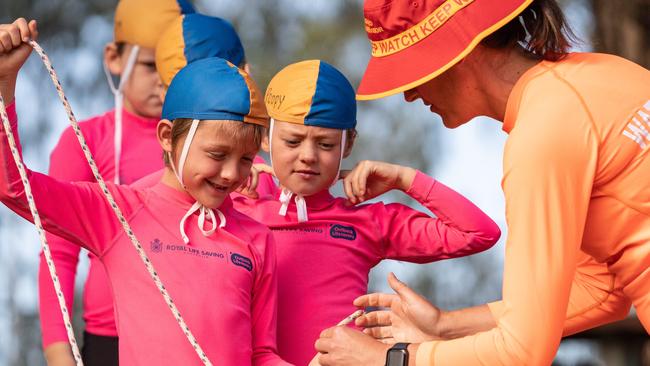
[
  {"x": 76, "y": 211},
  {"x": 459, "y": 229}
]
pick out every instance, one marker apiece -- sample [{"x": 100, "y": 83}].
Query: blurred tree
[{"x": 623, "y": 28}]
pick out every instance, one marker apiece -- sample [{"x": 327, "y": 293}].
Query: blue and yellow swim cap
[
  {"x": 312, "y": 93},
  {"x": 141, "y": 22},
  {"x": 193, "y": 37},
  {"x": 213, "y": 88}
]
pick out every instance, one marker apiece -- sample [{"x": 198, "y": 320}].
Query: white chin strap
[
  {"x": 118, "y": 94},
  {"x": 204, "y": 212},
  {"x": 286, "y": 194}
]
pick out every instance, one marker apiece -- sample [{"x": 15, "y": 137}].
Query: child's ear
[
  {"x": 164, "y": 134},
  {"x": 112, "y": 58},
  {"x": 265, "y": 141},
  {"x": 349, "y": 143}
]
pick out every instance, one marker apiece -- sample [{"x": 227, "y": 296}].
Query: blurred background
[{"x": 276, "y": 33}]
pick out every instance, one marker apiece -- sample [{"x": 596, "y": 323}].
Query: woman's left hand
[
  {"x": 369, "y": 179},
  {"x": 344, "y": 346}
]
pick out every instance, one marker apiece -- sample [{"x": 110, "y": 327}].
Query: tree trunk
[{"x": 623, "y": 28}]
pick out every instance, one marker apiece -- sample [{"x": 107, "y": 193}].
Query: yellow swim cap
[{"x": 141, "y": 22}]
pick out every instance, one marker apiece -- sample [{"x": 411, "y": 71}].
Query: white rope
[
  {"x": 41, "y": 233},
  {"x": 109, "y": 197}
]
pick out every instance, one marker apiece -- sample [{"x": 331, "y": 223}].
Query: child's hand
[
  {"x": 13, "y": 52},
  {"x": 249, "y": 188},
  {"x": 369, "y": 179}
]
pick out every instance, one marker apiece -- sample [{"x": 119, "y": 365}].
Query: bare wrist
[
  {"x": 7, "y": 88},
  {"x": 413, "y": 352},
  {"x": 406, "y": 177}
]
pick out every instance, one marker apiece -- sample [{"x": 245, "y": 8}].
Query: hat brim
[{"x": 438, "y": 52}]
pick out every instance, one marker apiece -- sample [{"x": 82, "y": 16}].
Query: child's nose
[
  {"x": 230, "y": 172},
  {"x": 308, "y": 153}
]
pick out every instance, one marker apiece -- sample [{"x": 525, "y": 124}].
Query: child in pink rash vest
[
  {"x": 124, "y": 144},
  {"x": 327, "y": 246},
  {"x": 139, "y": 156},
  {"x": 217, "y": 264}
]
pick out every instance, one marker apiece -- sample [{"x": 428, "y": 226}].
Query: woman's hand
[
  {"x": 344, "y": 346},
  {"x": 13, "y": 53},
  {"x": 249, "y": 187},
  {"x": 411, "y": 318},
  {"x": 369, "y": 179}
]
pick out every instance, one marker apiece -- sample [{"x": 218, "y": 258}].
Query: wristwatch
[{"x": 398, "y": 355}]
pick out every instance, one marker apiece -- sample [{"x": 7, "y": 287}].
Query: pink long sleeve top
[
  {"x": 224, "y": 285},
  {"x": 141, "y": 155},
  {"x": 323, "y": 263}
]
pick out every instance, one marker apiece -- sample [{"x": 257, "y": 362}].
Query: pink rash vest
[
  {"x": 323, "y": 263},
  {"x": 224, "y": 285}
]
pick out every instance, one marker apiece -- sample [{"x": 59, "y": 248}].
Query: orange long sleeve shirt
[{"x": 576, "y": 179}]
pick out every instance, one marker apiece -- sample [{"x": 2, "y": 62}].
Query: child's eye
[
  {"x": 149, "y": 65},
  {"x": 248, "y": 159},
  {"x": 292, "y": 143},
  {"x": 217, "y": 156},
  {"x": 326, "y": 146}
]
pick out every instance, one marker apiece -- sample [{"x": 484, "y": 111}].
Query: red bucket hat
[{"x": 414, "y": 41}]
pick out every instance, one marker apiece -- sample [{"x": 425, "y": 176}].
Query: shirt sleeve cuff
[
  {"x": 421, "y": 187},
  {"x": 425, "y": 355},
  {"x": 11, "y": 111}
]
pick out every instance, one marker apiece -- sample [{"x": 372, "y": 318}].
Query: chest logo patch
[
  {"x": 343, "y": 232},
  {"x": 241, "y": 261},
  {"x": 156, "y": 246}
]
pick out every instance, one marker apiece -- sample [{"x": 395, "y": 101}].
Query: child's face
[
  {"x": 305, "y": 158},
  {"x": 143, "y": 89},
  {"x": 218, "y": 162}
]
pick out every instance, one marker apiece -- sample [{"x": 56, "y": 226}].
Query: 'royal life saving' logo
[
  {"x": 156, "y": 246},
  {"x": 343, "y": 232},
  {"x": 241, "y": 261}
]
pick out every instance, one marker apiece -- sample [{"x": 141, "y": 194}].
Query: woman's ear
[
  {"x": 164, "y": 134},
  {"x": 349, "y": 143},
  {"x": 112, "y": 58}
]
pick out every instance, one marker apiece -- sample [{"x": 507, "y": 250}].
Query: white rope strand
[
  {"x": 109, "y": 197},
  {"x": 41, "y": 233}
]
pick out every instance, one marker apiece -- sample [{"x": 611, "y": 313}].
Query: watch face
[{"x": 397, "y": 357}]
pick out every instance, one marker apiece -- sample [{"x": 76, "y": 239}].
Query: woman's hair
[
  {"x": 541, "y": 29},
  {"x": 244, "y": 133}
]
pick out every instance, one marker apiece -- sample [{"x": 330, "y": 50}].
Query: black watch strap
[{"x": 398, "y": 355}]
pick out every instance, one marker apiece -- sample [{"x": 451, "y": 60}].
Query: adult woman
[{"x": 575, "y": 168}]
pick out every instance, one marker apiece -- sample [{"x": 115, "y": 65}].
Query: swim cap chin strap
[
  {"x": 118, "y": 94},
  {"x": 203, "y": 211},
  {"x": 286, "y": 194}
]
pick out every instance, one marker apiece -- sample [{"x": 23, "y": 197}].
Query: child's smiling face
[
  {"x": 218, "y": 161},
  {"x": 305, "y": 158}
]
